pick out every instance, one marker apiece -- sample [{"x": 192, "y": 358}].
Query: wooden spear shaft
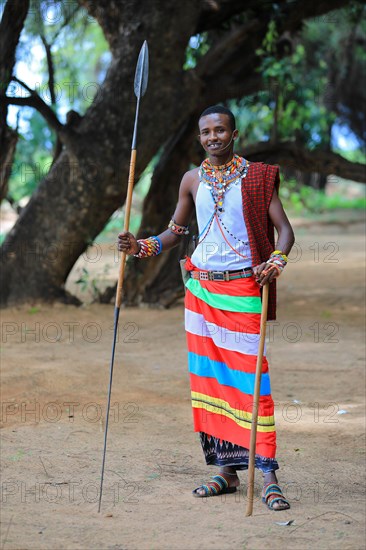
[
  {"x": 140, "y": 85},
  {"x": 257, "y": 387}
]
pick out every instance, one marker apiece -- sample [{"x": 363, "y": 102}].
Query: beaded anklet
[
  {"x": 178, "y": 229},
  {"x": 149, "y": 247}
]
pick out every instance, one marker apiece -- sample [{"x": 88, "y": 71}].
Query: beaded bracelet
[
  {"x": 277, "y": 261},
  {"x": 280, "y": 253},
  {"x": 178, "y": 229},
  {"x": 149, "y": 247}
]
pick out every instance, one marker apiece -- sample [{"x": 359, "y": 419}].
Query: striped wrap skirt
[{"x": 222, "y": 321}]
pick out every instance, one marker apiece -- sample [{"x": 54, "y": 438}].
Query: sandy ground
[{"x": 55, "y": 371}]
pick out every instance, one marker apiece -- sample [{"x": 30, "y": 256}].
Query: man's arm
[
  {"x": 286, "y": 237},
  {"x": 182, "y": 216}
]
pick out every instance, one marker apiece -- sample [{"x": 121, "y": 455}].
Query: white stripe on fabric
[{"x": 224, "y": 338}]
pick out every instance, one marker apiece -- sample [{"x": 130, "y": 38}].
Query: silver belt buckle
[
  {"x": 203, "y": 275},
  {"x": 218, "y": 276}
]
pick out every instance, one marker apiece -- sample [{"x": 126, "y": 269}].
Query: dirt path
[{"x": 54, "y": 384}]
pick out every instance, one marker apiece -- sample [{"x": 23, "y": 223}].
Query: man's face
[{"x": 216, "y": 133}]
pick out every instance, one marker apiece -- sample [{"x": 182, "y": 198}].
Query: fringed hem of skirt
[{"x": 219, "y": 452}]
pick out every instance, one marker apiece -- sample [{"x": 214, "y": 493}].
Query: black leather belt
[{"x": 221, "y": 275}]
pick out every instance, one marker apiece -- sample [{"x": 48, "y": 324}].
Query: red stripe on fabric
[
  {"x": 236, "y": 287},
  {"x": 225, "y": 428},
  {"x": 233, "y": 396},
  {"x": 203, "y": 345},
  {"x": 231, "y": 320}
]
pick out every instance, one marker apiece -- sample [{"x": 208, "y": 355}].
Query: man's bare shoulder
[
  {"x": 191, "y": 175},
  {"x": 190, "y": 178}
]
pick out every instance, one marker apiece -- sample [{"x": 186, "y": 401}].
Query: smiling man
[{"x": 237, "y": 208}]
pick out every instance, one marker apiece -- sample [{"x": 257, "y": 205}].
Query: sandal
[
  {"x": 274, "y": 490},
  {"x": 218, "y": 486}
]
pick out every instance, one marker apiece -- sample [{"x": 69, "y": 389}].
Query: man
[{"x": 237, "y": 207}]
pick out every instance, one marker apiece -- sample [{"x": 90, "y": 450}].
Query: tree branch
[
  {"x": 51, "y": 71},
  {"x": 292, "y": 155},
  {"x": 215, "y": 13},
  {"x": 35, "y": 101},
  {"x": 66, "y": 21},
  {"x": 11, "y": 25}
]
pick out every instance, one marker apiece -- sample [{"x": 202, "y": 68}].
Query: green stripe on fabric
[{"x": 247, "y": 304}]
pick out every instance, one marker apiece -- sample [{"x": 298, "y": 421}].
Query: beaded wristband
[
  {"x": 280, "y": 253},
  {"x": 178, "y": 229},
  {"x": 149, "y": 247},
  {"x": 277, "y": 261}
]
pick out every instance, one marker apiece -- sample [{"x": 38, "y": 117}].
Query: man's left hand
[{"x": 264, "y": 273}]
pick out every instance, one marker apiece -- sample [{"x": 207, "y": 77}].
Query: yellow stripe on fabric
[
  {"x": 242, "y": 418},
  {"x": 241, "y": 423},
  {"x": 244, "y": 304},
  {"x": 245, "y": 415}
]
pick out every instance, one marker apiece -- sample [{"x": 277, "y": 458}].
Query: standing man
[{"x": 237, "y": 207}]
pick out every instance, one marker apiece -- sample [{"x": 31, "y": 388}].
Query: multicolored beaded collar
[{"x": 219, "y": 178}]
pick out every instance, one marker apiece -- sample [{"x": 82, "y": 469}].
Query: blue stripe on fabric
[{"x": 243, "y": 381}]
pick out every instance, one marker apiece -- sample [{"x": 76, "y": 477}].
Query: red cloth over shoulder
[{"x": 257, "y": 190}]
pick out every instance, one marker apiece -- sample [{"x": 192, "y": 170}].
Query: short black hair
[{"x": 221, "y": 110}]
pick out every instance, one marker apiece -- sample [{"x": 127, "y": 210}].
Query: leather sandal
[
  {"x": 273, "y": 490},
  {"x": 218, "y": 486}
]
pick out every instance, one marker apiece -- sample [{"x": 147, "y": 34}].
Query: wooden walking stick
[
  {"x": 257, "y": 386},
  {"x": 140, "y": 85}
]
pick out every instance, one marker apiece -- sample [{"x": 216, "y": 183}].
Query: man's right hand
[{"x": 127, "y": 243}]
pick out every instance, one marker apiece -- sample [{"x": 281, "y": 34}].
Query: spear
[
  {"x": 140, "y": 85},
  {"x": 257, "y": 386}
]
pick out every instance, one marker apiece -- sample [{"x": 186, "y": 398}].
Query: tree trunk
[
  {"x": 11, "y": 25},
  {"x": 88, "y": 181}
]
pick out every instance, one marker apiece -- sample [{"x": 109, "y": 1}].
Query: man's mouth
[{"x": 214, "y": 145}]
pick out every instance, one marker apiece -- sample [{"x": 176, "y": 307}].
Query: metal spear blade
[{"x": 142, "y": 71}]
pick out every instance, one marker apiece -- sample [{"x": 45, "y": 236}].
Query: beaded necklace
[{"x": 218, "y": 179}]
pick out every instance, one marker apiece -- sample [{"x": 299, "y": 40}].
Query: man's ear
[{"x": 235, "y": 134}]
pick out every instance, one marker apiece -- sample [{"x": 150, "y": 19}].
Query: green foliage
[
  {"x": 93, "y": 284},
  {"x": 198, "y": 46},
  {"x": 33, "y": 310},
  {"x": 290, "y": 95},
  {"x": 33, "y": 156},
  {"x": 296, "y": 101},
  {"x": 357, "y": 155},
  {"x": 80, "y": 58},
  {"x": 306, "y": 200}
]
